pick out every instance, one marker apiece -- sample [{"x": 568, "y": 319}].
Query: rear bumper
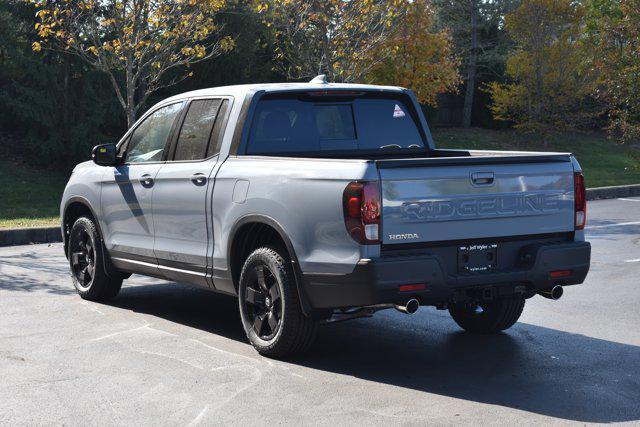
[{"x": 377, "y": 281}]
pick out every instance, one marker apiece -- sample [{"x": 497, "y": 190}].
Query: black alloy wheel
[
  {"x": 264, "y": 302},
  {"x": 83, "y": 257},
  {"x": 93, "y": 275},
  {"x": 269, "y": 303}
]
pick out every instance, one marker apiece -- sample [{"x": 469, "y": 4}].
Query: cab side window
[
  {"x": 218, "y": 129},
  {"x": 195, "y": 133},
  {"x": 149, "y": 138}
]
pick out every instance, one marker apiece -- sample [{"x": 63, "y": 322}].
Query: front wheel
[
  {"x": 270, "y": 307},
  {"x": 91, "y": 277},
  {"x": 487, "y": 317}
]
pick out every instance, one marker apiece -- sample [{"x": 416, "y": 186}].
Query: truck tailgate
[{"x": 429, "y": 200}]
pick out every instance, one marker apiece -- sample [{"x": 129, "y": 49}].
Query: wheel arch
[
  {"x": 240, "y": 246},
  {"x": 74, "y": 208}
]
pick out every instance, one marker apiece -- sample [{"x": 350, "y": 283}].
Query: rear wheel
[
  {"x": 270, "y": 307},
  {"x": 91, "y": 278},
  {"x": 487, "y": 317}
]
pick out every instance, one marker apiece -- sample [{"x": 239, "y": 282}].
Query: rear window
[{"x": 311, "y": 124}]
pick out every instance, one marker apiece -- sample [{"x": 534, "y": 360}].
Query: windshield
[{"x": 313, "y": 124}]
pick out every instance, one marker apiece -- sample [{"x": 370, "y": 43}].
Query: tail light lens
[
  {"x": 580, "y": 194},
  {"x": 361, "y": 205}
]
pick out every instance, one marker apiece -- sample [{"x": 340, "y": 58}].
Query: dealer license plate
[{"x": 477, "y": 258}]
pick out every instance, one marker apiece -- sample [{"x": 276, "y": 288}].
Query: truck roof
[{"x": 239, "y": 91}]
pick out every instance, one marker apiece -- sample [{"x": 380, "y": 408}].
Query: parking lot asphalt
[{"x": 165, "y": 354}]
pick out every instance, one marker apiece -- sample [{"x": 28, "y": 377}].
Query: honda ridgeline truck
[{"x": 315, "y": 202}]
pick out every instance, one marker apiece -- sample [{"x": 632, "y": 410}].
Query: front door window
[{"x": 149, "y": 138}]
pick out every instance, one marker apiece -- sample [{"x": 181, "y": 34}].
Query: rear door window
[
  {"x": 195, "y": 134},
  {"x": 219, "y": 128}
]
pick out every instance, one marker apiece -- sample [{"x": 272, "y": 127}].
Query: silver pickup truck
[{"x": 316, "y": 202}]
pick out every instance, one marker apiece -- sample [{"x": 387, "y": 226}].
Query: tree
[
  {"x": 332, "y": 37},
  {"x": 478, "y": 35},
  {"x": 615, "y": 33},
  {"x": 150, "y": 43},
  {"x": 252, "y": 59},
  {"x": 53, "y": 106},
  {"x": 418, "y": 56},
  {"x": 549, "y": 86}
]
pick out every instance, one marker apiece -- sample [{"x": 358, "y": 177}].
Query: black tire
[
  {"x": 487, "y": 317},
  {"x": 270, "y": 307},
  {"x": 92, "y": 279}
]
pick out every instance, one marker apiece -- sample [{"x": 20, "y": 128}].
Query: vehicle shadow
[
  {"x": 196, "y": 308},
  {"x": 529, "y": 368}
]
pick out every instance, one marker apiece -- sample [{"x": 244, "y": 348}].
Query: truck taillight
[
  {"x": 361, "y": 206},
  {"x": 580, "y": 195}
]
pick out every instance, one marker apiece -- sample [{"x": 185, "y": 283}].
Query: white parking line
[
  {"x": 630, "y": 200},
  {"x": 619, "y": 224},
  {"x": 633, "y": 260},
  {"x": 200, "y": 416}
]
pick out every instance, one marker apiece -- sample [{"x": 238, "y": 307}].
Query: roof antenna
[{"x": 320, "y": 79}]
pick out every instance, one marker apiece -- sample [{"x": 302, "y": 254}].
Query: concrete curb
[
  {"x": 25, "y": 236},
  {"x": 613, "y": 192}
]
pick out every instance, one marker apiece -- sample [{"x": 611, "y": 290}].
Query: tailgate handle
[{"x": 482, "y": 178}]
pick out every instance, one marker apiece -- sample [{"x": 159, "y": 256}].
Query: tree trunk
[
  {"x": 131, "y": 116},
  {"x": 65, "y": 98},
  {"x": 131, "y": 94},
  {"x": 471, "y": 66},
  {"x": 539, "y": 96}
]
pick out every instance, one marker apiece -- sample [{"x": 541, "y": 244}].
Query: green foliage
[
  {"x": 58, "y": 107},
  {"x": 550, "y": 86},
  {"x": 614, "y": 35},
  {"x": 418, "y": 56},
  {"x": 492, "y": 45},
  {"x": 332, "y": 37},
  {"x": 30, "y": 197},
  {"x": 481, "y": 43},
  {"x": 143, "y": 39},
  {"x": 251, "y": 61},
  {"x": 604, "y": 162}
]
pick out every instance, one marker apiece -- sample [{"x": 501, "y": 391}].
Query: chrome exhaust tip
[
  {"x": 409, "y": 307},
  {"x": 554, "y": 293}
]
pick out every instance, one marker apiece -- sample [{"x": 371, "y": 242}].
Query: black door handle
[
  {"x": 146, "y": 181},
  {"x": 199, "y": 179}
]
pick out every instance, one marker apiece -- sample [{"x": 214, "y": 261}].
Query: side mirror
[{"x": 105, "y": 155}]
